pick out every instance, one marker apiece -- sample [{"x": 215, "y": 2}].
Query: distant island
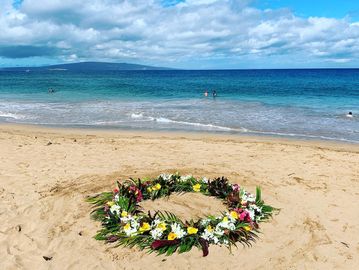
[{"x": 87, "y": 66}]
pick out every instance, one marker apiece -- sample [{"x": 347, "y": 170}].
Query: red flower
[
  {"x": 115, "y": 190},
  {"x": 139, "y": 196},
  {"x": 164, "y": 243},
  {"x": 135, "y": 190}
]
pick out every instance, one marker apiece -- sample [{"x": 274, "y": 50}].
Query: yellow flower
[
  {"x": 157, "y": 187},
  {"x": 234, "y": 214},
  {"x": 145, "y": 227},
  {"x": 209, "y": 228},
  {"x": 192, "y": 230},
  {"x": 172, "y": 236},
  {"x": 127, "y": 226},
  {"x": 197, "y": 187},
  {"x": 110, "y": 203},
  {"x": 149, "y": 189},
  {"x": 225, "y": 219},
  {"x": 161, "y": 226},
  {"x": 124, "y": 214},
  {"x": 247, "y": 228}
]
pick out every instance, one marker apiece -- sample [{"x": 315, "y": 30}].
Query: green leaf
[{"x": 258, "y": 195}]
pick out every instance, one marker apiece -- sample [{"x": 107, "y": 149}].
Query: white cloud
[{"x": 195, "y": 30}]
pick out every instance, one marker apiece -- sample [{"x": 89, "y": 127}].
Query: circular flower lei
[{"x": 124, "y": 223}]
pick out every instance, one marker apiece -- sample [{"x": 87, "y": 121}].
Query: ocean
[{"x": 307, "y": 104}]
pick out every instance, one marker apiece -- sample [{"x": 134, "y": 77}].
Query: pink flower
[
  {"x": 244, "y": 216},
  {"x": 235, "y": 187}
]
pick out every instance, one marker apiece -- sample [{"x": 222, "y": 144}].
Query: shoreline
[{"x": 195, "y": 135}]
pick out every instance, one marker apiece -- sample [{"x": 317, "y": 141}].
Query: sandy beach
[{"x": 46, "y": 175}]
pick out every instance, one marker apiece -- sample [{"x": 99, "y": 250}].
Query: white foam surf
[
  {"x": 12, "y": 115},
  {"x": 210, "y": 126}
]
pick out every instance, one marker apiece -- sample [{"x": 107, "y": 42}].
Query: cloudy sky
[{"x": 193, "y": 34}]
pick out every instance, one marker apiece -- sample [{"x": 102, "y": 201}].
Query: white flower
[
  {"x": 131, "y": 227},
  {"x": 129, "y": 218},
  {"x": 251, "y": 213},
  {"x": 165, "y": 177},
  {"x": 218, "y": 231},
  {"x": 115, "y": 209},
  {"x": 205, "y": 180},
  {"x": 248, "y": 197},
  {"x": 185, "y": 178},
  {"x": 155, "y": 222},
  {"x": 255, "y": 208},
  {"x": 207, "y": 235},
  {"x": 176, "y": 228},
  {"x": 226, "y": 223},
  {"x": 156, "y": 233},
  {"x": 205, "y": 221},
  {"x": 117, "y": 197}
]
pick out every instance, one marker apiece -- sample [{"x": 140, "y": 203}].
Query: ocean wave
[
  {"x": 170, "y": 121},
  {"x": 12, "y": 115},
  {"x": 105, "y": 123},
  {"x": 136, "y": 115},
  {"x": 141, "y": 117}
]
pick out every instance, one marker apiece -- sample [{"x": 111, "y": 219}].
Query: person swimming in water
[
  {"x": 51, "y": 90},
  {"x": 206, "y": 93},
  {"x": 214, "y": 93},
  {"x": 350, "y": 114}
]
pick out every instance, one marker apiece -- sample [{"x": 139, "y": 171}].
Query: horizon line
[{"x": 173, "y": 68}]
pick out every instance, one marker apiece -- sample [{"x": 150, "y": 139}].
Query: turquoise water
[{"x": 294, "y": 103}]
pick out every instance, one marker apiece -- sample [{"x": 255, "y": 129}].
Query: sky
[{"x": 189, "y": 34}]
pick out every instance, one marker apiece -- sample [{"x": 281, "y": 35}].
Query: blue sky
[
  {"x": 194, "y": 34},
  {"x": 322, "y": 8}
]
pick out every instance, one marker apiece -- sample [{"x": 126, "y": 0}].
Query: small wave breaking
[
  {"x": 12, "y": 115},
  {"x": 211, "y": 126}
]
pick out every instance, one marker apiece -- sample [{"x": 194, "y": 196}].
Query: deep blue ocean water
[{"x": 294, "y": 103}]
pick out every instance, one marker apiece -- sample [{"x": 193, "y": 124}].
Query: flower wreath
[{"x": 124, "y": 223}]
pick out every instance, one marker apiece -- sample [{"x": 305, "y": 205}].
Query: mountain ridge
[{"x": 89, "y": 66}]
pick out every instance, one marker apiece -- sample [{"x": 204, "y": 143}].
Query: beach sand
[{"x": 46, "y": 175}]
